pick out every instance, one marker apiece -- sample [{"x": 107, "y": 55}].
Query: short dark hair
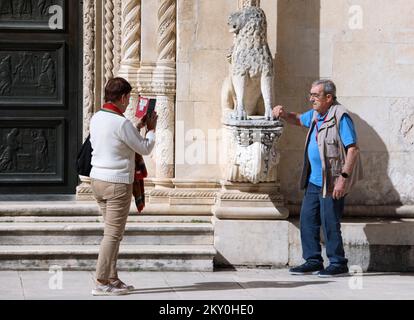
[
  {"x": 116, "y": 88},
  {"x": 329, "y": 86}
]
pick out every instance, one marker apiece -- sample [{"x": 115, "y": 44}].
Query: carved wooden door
[{"x": 40, "y": 90}]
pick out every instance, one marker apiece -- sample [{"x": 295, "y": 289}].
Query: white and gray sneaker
[
  {"x": 121, "y": 285},
  {"x": 108, "y": 290}
]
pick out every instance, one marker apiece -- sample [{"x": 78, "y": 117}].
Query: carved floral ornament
[{"x": 248, "y": 3}]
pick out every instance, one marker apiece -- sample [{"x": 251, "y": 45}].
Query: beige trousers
[{"x": 114, "y": 200}]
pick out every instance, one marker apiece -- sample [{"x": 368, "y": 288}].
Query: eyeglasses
[{"x": 315, "y": 95}]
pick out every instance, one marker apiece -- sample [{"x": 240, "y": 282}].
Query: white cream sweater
[{"x": 115, "y": 140}]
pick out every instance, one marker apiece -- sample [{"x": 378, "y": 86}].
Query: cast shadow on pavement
[{"x": 215, "y": 286}]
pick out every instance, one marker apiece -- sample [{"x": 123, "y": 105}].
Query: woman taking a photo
[{"x": 115, "y": 140}]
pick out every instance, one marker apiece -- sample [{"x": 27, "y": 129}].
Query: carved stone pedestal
[
  {"x": 249, "y": 229},
  {"x": 249, "y": 209}
]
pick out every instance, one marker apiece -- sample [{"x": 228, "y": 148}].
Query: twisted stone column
[
  {"x": 109, "y": 38},
  {"x": 167, "y": 31},
  {"x": 131, "y": 36},
  {"x": 130, "y": 49},
  {"x": 164, "y": 81}
]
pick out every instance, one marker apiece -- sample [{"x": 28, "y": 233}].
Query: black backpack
[{"x": 83, "y": 161}]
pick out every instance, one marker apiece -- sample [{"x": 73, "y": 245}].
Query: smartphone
[
  {"x": 145, "y": 106},
  {"x": 151, "y": 107}
]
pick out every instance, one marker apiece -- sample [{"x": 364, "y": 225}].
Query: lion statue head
[{"x": 251, "y": 52}]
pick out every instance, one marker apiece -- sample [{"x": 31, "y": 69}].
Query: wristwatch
[{"x": 344, "y": 174}]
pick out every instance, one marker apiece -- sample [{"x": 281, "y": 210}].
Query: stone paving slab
[{"x": 243, "y": 284}]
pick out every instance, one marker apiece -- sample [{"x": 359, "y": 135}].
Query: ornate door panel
[{"x": 40, "y": 90}]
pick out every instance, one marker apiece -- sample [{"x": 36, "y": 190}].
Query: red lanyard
[
  {"x": 112, "y": 107},
  {"x": 316, "y": 125}
]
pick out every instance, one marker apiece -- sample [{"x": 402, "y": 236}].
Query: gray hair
[{"x": 328, "y": 87}]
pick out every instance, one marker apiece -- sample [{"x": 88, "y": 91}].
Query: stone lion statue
[{"x": 251, "y": 74}]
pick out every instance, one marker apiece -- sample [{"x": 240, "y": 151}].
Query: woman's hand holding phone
[{"x": 151, "y": 121}]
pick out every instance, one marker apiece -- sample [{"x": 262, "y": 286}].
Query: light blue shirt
[{"x": 346, "y": 132}]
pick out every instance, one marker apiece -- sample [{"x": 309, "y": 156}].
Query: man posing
[{"x": 331, "y": 167}]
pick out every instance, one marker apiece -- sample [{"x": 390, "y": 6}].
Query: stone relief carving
[
  {"x": 26, "y": 150},
  {"x": 26, "y": 8},
  {"x": 8, "y": 157},
  {"x": 28, "y": 74},
  {"x": 47, "y": 77},
  {"x": 5, "y": 76},
  {"x": 252, "y": 73},
  {"x": 40, "y": 150}
]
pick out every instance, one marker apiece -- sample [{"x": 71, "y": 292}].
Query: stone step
[
  {"x": 91, "y": 233},
  {"x": 152, "y": 212},
  {"x": 131, "y": 257},
  {"x": 142, "y": 218}
]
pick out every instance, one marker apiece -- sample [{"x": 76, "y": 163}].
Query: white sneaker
[
  {"x": 108, "y": 290},
  {"x": 121, "y": 285}
]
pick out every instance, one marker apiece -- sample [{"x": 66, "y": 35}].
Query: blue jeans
[{"x": 317, "y": 211}]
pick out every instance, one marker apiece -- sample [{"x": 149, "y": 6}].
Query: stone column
[
  {"x": 164, "y": 82},
  {"x": 109, "y": 40},
  {"x": 83, "y": 191},
  {"x": 130, "y": 50}
]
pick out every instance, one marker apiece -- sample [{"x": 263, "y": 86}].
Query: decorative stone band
[
  {"x": 251, "y": 197},
  {"x": 157, "y": 88},
  {"x": 182, "y": 193}
]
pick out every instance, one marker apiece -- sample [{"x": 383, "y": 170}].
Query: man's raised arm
[{"x": 290, "y": 117}]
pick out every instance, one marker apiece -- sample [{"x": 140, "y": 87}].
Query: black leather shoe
[
  {"x": 334, "y": 271},
  {"x": 306, "y": 268}
]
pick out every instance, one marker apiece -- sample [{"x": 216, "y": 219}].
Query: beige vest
[{"x": 332, "y": 153}]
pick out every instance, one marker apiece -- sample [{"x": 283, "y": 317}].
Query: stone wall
[{"x": 366, "y": 47}]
